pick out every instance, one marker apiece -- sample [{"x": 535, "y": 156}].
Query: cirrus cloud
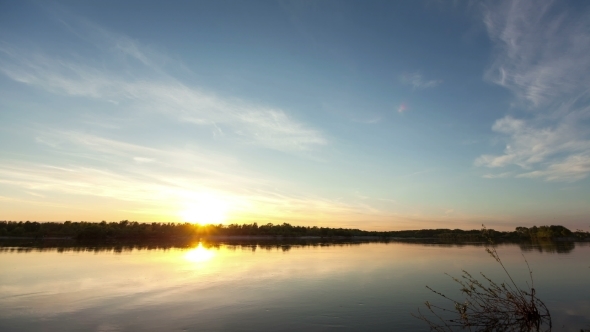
[
  {"x": 418, "y": 82},
  {"x": 542, "y": 58},
  {"x": 145, "y": 86}
]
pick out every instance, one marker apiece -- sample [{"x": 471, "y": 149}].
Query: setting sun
[{"x": 205, "y": 209}]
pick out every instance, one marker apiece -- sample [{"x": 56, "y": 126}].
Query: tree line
[{"x": 135, "y": 230}]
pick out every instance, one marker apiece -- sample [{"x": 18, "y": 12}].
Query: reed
[{"x": 488, "y": 305}]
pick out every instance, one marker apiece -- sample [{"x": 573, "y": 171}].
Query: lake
[{"x": 269, "y": 286}]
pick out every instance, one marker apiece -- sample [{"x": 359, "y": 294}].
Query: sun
[{"x": 205, "y": 209}]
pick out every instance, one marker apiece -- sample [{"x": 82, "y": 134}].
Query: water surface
[{"x": 257, "y": 287}]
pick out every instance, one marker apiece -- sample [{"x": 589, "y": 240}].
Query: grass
[{"x": 488, "y": 305}]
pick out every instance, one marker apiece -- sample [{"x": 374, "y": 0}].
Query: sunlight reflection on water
[{"x": 199, "y": 254}]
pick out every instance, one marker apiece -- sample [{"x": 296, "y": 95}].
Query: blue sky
[{"x": 373, "y": 115}]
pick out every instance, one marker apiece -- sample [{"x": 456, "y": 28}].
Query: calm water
[{"x": 372, "y": 286}]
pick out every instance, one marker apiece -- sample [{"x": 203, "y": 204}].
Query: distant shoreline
[
  {"x": 215, "y": 238},
  {"x": 134, "y": 231}
]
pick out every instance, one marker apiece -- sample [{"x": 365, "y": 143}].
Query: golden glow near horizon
[
  {"x": 199, "y": 254},
  {"x": 205, "y": 209}
]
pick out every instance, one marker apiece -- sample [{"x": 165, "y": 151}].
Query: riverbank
[{"x": 135, "y": 231}]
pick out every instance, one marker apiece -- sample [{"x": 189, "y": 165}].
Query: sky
[{"x": 378, "y": 115}]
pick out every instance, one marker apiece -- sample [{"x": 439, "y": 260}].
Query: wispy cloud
[
  {"x": 116, "y": 44},
  {"x": 263, "y": 125},
  {"x": 418, "y": 82},
  {"x": 541, "y": 56},
  {"x": 416, "y": 173},
  {"x": 541, "y": 49},
  {"x": 498, "y": 176},
  {"x": 575, "y": 167},
  {"x": 529, "y": 144},
  {"x": 154, "y": 182},
  {"x": 161, "y": 180},
  {"x": 552, "y": 152},
  {"x": 371, "y": 120},
  {"x": 159, "y": 196}
]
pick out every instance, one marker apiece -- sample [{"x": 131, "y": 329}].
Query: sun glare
[
  {"x": 206, "y": 209},
  {"x": 199, "y": 254}
]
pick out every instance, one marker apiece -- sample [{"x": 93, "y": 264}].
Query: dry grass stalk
[{"x": 489, "y": 306}]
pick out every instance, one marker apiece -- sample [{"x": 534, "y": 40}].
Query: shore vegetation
[{"x": 130, "y": 230}]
